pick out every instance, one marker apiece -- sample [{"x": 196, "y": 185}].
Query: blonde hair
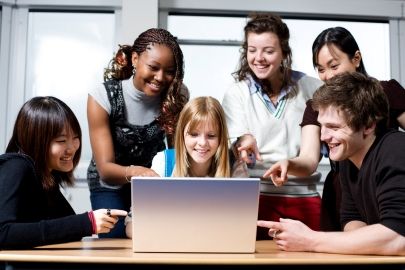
[{"x": 195, "y": 112}]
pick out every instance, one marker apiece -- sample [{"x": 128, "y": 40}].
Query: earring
[{"x": 133, "y": 69}]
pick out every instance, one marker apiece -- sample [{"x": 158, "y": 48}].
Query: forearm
[
  {"x": 302, "y": 166},
  {"x": 115, "y": 174},
  {"x": 308, "y": 159},
  {"x": 373, "y": 239},
  {"x": 112, "y": 173},
  {"x": 27, "y": 235}
]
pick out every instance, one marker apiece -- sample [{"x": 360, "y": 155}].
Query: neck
[
  {"x": 199, "y": 170},
  {"x": 358, "y": 158},
  {"x": 272, "y": 85}
]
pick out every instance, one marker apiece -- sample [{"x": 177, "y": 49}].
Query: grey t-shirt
[{"x": 141, "y": 109}]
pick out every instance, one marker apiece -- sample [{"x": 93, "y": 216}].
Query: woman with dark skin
[{"x": 132, "y": 115}]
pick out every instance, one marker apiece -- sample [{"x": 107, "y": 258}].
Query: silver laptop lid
[{"x": 195, "y": 214}]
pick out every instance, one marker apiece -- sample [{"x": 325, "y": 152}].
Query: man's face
[{"x": 342, "y": 140}]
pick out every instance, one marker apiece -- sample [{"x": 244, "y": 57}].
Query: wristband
[{"x": 92, "y": 221}]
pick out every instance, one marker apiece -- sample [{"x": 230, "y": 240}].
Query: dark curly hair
[{"x": 173, "y": 100}]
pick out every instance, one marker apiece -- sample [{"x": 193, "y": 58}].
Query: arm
[
  {"x": 103, "y": 147},
  {"x": 376, "y": 239},
  {"x": 305, "y": 163},
  {"x": 23, "y": 214}
]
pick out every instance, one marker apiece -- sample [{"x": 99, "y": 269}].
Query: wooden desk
[{"x": 117, "y": 254}]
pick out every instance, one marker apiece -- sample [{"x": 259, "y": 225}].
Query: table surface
[{"x": 95, "y": 251}]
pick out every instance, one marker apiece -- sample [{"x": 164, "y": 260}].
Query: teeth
[
  {"x": 155, "y": 85},
  {"x": 66, "y": 159},
  {"x": 333, "y": 145}
]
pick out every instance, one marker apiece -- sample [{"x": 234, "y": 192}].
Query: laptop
[{"x": 187, "y": 214}]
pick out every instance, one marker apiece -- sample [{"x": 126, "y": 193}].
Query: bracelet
[
  {"x": 92, "y": 221},
  {"x": 126, "y": 173}
]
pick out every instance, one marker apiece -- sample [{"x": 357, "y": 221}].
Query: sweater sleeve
[
  {"x": 395, "y": 93},
  {"x": 310, "y": 116},
  {"x": 396, "y": 99},
  {"x": 235, "y": 111},
  {"x": 158, "y": 163},
  {"x": 24, "y": 222}
]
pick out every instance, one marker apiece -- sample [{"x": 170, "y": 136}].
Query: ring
[
  {"x": 275, "y": 233},
  {"x": 109, "y": 212}
]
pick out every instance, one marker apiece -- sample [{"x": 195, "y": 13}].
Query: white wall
[{"x": 137, "y": 16}]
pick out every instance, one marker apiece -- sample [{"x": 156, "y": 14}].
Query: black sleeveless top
[{"x": 133, "y": 145}]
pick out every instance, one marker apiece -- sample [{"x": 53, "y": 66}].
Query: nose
[
  {"x": 72, "y": 145},
  {"x": 329, "y": 74},
  {"x": 202, "y": 140},
  {"x": 158, "y": 76},
  {"x": 259, "y": 56},
  {"x": 325, "y": 136}
]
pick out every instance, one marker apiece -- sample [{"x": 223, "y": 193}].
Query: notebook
[{"x": 215, "y": 215}]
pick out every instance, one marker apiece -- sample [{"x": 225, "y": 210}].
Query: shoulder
[
  {"x": 310, "y": 116},
  {"x": 306, "y": 84},
  {"x": 239, "y": 88},
  {"x": 16, "y": 159},
  {"x": 114, "y": 83},
  {"x": 392, "y": 88},
  {"x": 99, "y": 94},
  {"x": 395, "y": 94},
  {"x": 390, "y": 147},
  {"x": 305, "y": 79},
  {"x": 391, "y": 85},
  {"x": 16, "y": 166},
  {"x": 393, "y": 139}
]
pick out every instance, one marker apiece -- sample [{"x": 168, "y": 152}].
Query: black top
[
  {"x": 376, "y": 192},
  {"x": 31, "y": 216}
]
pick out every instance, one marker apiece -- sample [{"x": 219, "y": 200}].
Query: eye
[
  {"x": 171, "y": 72},
  {"x": 212, "y": 136},
  {"x": 60, "y": 139},
  {"x": 193, "y": 134},
  {"x": 334, "y": 67},
  {"x": 153, "y": 68},
  {"x": 251, "y": 50}
]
